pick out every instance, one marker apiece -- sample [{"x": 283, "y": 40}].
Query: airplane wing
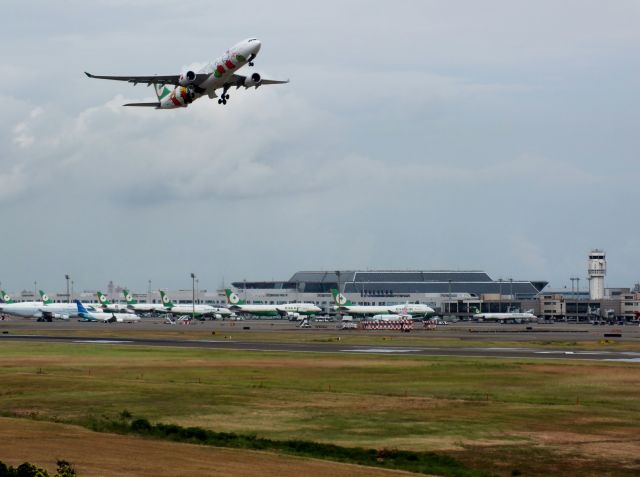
[
  {"x": 148, "y": 80},
  {"x": 240, "y": 80}
]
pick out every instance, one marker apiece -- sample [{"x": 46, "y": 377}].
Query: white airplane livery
[
  {"x": 406, "y": 309},
  {"x": 509, "y": 316},
  {"x": 103, "y": 317},
  {"x": 44, "y": 310},
  {"x": 293, "y": 311},
  {"x": 197, "y": 310},
  {"x": 189, "y": 86}
]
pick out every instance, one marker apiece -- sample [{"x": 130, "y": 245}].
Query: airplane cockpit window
[{"x": 252, "y": 39}]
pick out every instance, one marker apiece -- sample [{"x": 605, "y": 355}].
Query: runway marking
[{"x": 102, "y": 341}]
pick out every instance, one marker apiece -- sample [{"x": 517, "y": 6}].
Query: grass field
[{"x": 538, "y": 417}]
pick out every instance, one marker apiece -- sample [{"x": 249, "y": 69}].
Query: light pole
[
  {"x": 72, "y": 283},
  {"x": 149, "y": 292},
  {"x": 339, "y": 292},
  {"x": 449, "y": 300},
  {"x": 198, "y": 289},
  {"x": 35, "y": 290},
  {"x": 511, "y": 292},
  {"x": 193, "y": 296},
  {"x": 500, "y": 297},
  {"x": 68, "y": 296}
]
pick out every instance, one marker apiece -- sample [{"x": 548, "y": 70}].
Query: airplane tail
[
  {"x": 162, "y": 91},
  {"x": 129, "y": 298},
  {"x": 45, "y": 298},
  {"x": 232, "y": 298},
  {"x": 82, "y": 311},
  {"x": 339, "y": 298},
  {"x": 102, "y": 299},
  {"x": 5, "y": 298},
  {"x": 166, "y": 301}
]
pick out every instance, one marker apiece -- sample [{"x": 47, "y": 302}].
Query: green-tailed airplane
[{"x": 287, "y": 310}]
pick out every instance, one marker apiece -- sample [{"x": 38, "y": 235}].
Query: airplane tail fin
[
  {"x": 129, "y": 298},
  {"x": 162, "y": 91},
  {"x": 339, "y": 298},
  {"x": 102, "y": 299},
  {"x": 232, "y": 298},
  {"x": 45, "y": 298},
  {"x": 166, "y": 301},
  {"x": 5, "y": 298},
  {"x": 81, "y": 309}
]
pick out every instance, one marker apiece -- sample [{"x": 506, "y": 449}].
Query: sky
[{"x": 499, "y": 135}]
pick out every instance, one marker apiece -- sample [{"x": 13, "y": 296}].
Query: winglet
[{"x": 88, "y": 74}]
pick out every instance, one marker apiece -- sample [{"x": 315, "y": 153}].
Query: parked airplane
[
  {"x": 413, "y": 309},
  {"x": 190, "y": 86},
  {"x": 293, "y": 311},
  {"x": 141, "y": 307},
  {"x": 200, "y": 311},
  {"x": 44, "y": 310},
  {"x": 508, "y": 316},
  {"x": 103, "y": 317},
  {"x": 106, "y": 304}
]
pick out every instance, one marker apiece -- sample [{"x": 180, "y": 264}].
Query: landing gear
[
  {"x": 224, "y": 96},
  {"x": 251, "y": 58}
]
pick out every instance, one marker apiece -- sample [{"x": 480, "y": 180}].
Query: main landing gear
[{"x": 224, "y": 96}]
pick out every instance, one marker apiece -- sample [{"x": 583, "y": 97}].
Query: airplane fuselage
[
  {"x": 199, "y": 310},
  {"x": 220, "y": 73},
  {"x": 504, "y": 316},
  {"x": 61, "y": 311},
  {"x": 109, "y": 317},
  {"x": 278, "y": 310}
]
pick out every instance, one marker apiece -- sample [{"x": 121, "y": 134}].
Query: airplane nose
[{"x": 255, "y": 46}]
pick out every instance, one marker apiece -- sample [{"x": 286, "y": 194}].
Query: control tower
[{"x": 597, "y": 271}]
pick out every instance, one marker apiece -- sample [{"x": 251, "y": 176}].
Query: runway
[{"x": 337, "y": 347}]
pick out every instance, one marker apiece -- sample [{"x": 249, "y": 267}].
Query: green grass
[
  {"x": 420, "y": 462},
  {"x": 400, "y": 402}
]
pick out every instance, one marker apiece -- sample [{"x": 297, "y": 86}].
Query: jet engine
[
  {"x": 293, "y": 316},
  {"x": 254, "y": 80},
  {"x": 187, "y": 78}
]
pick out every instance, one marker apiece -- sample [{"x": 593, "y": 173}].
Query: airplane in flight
[
  {"x": 197, "y": 310},
  {"x": 111, "y": 317},
  {"x": 293, "y": 311},
  {"x": 189, "y": 86},
  {"x": 403, "y": 309}
]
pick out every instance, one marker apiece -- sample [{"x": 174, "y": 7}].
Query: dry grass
[{"x": 95, "y": 454}]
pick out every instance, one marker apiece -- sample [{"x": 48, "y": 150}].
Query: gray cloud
[{"x": 497, "y": 135}]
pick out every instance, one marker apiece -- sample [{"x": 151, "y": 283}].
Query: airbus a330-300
[{"x": 189, "y": 86}]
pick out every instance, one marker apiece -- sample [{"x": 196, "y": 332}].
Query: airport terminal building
[{"x": 455, "y": 292}]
